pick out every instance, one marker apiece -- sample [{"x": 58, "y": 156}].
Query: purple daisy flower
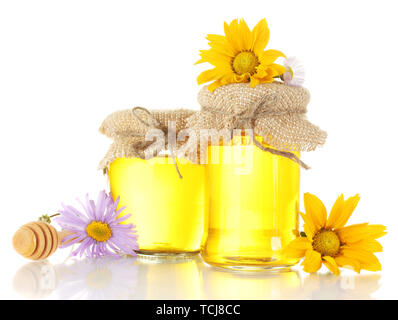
[{"x": 98, "y": 230}]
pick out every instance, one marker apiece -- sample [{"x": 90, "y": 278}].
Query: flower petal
[
  {"x": 349, "y": 206},
  {"x": 210, "y": 75},
  {"x": 233, "y": 35},
  {"x": 348, "y": 263},
  {"x": 276, "y": 69},
  {"x": 331, "y": 264},
  {"x": 309, "y": 226},
  {"x": 260, "y": 36},
  {"x": 301, "y": 243},
  {"x": 360, "y": 232},
  {"x": 315, "y": 209},
  {"x": 368, "y": 245},
  {"x": 335, "y": 212},
  {"x": 221, "y": 45},
  {"x": 245, "y": 35},
  {"x": 312, "y": 261},
  {"x": 297, "y": 248},
  {"x": 214, "y": 57},
  {"x": 254, "y": 82},
  {"x": 269, "y": 56},
  {"x": 367, "y": 259},
  {"x": 214, "y": 85}
]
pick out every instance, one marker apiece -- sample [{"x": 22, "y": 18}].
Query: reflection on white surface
[
  {"x": 170, "y": 279},
  {"x": 141, "y": 278},
  {"x": 225, "y": 284},
  {"x": 35, "y": 280},
  {"x": 99, "y": 279},
  {"x": 105, "y": 278},
  {"x": 328, "y": 286}
]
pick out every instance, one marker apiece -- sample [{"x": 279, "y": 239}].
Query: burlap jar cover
[
  {"x": 273, "y": 111},
  {"x": 130, "y": 128}
]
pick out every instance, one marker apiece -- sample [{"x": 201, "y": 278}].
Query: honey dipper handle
[{"x": 63, "y": 234}]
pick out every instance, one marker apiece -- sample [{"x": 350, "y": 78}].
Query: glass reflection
[
  {"x": 35, "y": 280},
  {"x": 346, "y": 287},
  {"x": 224, "y": 284},
  {"x": 159, "y": 278},
  {"x": 98, "y": 279},
  {"x": 165, "y": 278}
]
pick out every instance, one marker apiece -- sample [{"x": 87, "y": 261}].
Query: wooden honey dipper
[{"x": 37, "y": 240}]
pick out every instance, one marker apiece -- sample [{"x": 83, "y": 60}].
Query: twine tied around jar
[
  {"x": 273, "y": 111},
  {"x": 154, "y": 124},
  {"x": 131, "y": 130},
  {"x": 246, "y": 122}
]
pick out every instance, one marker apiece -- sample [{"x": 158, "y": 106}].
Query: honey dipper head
[
  {"x": 36, "y": 240},
  {"x": 24, "y": 241}
]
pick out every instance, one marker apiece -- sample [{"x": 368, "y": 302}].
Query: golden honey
[
  {"x": 252, "y": 209},
  {"x": 167, "y": 211}
]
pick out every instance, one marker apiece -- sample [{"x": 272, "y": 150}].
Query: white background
[{"x": 65, "y": 65}]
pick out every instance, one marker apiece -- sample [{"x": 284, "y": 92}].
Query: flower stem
[{"x": 46, "y": 218}]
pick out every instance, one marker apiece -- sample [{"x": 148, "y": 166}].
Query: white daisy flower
[{"x": 295, "y": 72}]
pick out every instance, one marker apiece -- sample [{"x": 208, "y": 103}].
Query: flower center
[
  {"x": 326, "y": 242},
  {"x": 99, "y": 231},
  {"x": 245, "y": 62}
]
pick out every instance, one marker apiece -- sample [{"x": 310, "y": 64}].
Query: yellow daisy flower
[
  {"x": 239, "y": 56},
  {"x": 328, "y": 241}
]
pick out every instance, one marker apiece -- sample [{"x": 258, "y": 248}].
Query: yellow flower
[
  {"x": 239, "y": 56},
  {"x": 328, "y": 241}
]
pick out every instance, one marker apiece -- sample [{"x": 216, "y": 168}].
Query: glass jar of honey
[
  {"x": 252, "y": 206},
  {"x": 167, "y": 211}
]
